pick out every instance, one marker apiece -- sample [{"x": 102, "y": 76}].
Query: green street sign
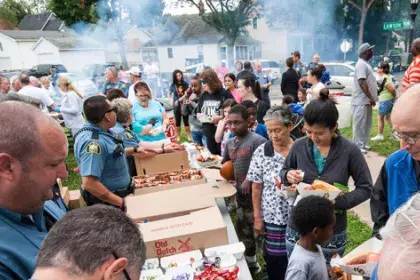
[{"x": 397, "y": 25}]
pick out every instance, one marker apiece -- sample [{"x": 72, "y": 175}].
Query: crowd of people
[{"x": 230, "y": 114}]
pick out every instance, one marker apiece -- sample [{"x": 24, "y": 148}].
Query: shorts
[{"x": 385, "y": 107}]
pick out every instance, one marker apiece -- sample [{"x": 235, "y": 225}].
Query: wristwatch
[
  {"x": 163, "y": 148},
  {"x": 123, "y": 206},
  {"x": 135, "y": 149}
]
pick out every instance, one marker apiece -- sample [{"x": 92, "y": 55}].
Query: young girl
[
  {"x": 223, "y": 132},
  {"x": 303, "y": 98},
  {"x": 386, "y": 100},
  {"x": 177, "y": 90},
  {"x": 230, "y": 82}
]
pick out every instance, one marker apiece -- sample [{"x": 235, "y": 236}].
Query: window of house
[
  {"x": 241, "y": 52},
  {"x": 223, "y": 53},
  {"x": 255, "y": 23},
  {"x": 170, "y": 53},
  {"x": 200, "y": 53}
]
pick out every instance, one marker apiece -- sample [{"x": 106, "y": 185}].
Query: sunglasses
[
  {"x": 203, "y": 82},
  {"x": 126, "y": 275},
  {"x": 113, "y": 109}
]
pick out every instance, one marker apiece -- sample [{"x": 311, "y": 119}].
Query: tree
[
  {"x": 227, "y": 18},
  {"x": 13, "y": 11},
  {"x": 363, "y": 7}
]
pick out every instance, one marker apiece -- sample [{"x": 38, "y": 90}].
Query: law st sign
[{"x": 397, "y": 25}]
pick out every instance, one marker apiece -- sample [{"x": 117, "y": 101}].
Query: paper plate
[{"x": 331, "y": 195}]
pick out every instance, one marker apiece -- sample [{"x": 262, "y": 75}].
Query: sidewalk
[{"x": 375, "y": 163}]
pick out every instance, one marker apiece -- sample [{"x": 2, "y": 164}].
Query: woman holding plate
[
  {"x": 325, "y": 155},
  {"x": 271, "y": 208}
]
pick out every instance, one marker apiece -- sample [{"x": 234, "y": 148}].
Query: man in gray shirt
[{"x": 364, "y": 97}]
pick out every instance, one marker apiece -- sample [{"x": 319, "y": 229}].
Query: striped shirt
[{"x": 412, "y": 75}]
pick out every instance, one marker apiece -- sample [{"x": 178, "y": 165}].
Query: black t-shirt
[
  {"x": 262, "y": 109},
  {"x": 211, "y": 104}
]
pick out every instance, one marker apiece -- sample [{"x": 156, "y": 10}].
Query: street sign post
[
  {"x": 397, "y": 25},
  {"x": 345, "y": 47}
]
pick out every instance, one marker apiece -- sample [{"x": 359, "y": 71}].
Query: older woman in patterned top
[{"x": 271, "y": 209}]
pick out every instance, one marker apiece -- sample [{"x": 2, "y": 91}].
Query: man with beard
[
  {"x": 33, "y": 148},
  {"x": 363, "y": 98}
]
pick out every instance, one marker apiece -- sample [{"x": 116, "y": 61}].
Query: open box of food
[
  {"x": 318, "y": 188},
  {"x": 168, "y": 180},
  {"x": 359, "y": 255}
]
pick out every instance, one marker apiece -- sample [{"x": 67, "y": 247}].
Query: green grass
[
  {"x": 357, "y": 232},
  {"x": 383, "y": 148}
]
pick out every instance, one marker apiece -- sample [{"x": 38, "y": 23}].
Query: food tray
[
  {"x": 178, "y": 273},
  {"x": 152, "y": 274},
  {"x": 371, "y": 245},
  {"x": 236, "y": 249},
  {"x": 227, "y": 262},
  {"x": 206, "y": 164},
  {"x": 331, "y": 195},
  {"x": 181, "y": 259},
  {"x": 151, "y": 264}
]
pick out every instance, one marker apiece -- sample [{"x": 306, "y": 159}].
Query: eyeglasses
[
  {"x": 203, "y": 82},
  {"x": 395, "y": 135},
  {"x": 142, "y": 96},
  {"x": 126, "y": 275}
]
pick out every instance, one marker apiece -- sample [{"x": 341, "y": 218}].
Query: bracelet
[
  {"x": 163, "y": 148},
  {"x": 123, "y": 206}
]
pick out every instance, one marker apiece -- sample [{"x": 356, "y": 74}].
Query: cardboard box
[
  {"x": 212, "y": 174},
  {"x": 187, "y": 183},
  {"x": 176, "y": 202},
  {"x": 65, "y": 195},
  {"x": 74, "y": 199},
  {"x": 162, "y": 163},
  {"x": 196, "y": 231}
]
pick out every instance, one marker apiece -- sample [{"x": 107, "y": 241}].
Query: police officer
[
  {"x": 131, "y": 143},
  {"x": 101, "y": 156},
  {"x": 265, "y": 81},
  {"x": 33, "y": 148},
  {"x": 111, "y": 75},
  {"x": 299, "y": 67}
]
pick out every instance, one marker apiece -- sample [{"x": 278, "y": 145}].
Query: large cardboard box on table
[
  {"x": 164, "y": 163},
  {"x": 195, "y": 231},
  {"x": 176, "y": 202}
]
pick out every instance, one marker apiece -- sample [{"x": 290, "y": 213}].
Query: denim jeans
[{"x": 199, "y": 138}]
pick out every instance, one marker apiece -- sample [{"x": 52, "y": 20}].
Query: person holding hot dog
[{"x": 326, "y": 155}]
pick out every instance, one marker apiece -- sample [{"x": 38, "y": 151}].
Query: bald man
[
  {"x": 32, "y": 152},
  {"x": 399, "y": 178}
]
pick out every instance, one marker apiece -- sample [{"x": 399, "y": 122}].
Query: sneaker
[
  {"x": 378, "y": 137},
  {"x": 364, "y": 151},
  {"x": 254, "y": 267},
  {"x": 367, "y": 148}
]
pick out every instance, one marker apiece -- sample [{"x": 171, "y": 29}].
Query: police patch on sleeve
[{"x": 93, "y": 148}]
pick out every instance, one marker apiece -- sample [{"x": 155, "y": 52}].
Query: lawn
[{"x": 383, "y": 148}]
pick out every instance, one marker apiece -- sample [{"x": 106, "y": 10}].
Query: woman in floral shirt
[{"x": 271, "y": 209}]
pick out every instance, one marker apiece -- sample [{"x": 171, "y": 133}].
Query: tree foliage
[{"x": 13, "y": 11}]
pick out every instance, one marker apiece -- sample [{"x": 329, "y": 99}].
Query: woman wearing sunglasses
[
  {"x": 150, "y": 119},
  {"x": 209, "y": 107}
]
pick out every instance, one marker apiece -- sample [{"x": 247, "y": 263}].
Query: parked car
[
  {"x": 270, "y": 67},
  {"x": 41, "y": 70}
]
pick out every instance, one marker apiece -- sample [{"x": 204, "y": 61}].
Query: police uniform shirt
[
  {"x": 98, "y": 158},
  {"x": 120, "y": 85},
  {"x": 129, "y": 138},
  {"x": 263, "y": 78},
  {"x": 21, "y": 239},
  {"x": 300, "y": 68}
]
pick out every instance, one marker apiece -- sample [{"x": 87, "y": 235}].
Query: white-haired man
[{"x": 15, "y": 85}]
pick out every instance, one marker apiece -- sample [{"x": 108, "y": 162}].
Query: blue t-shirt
[
  {"x": 319, "y": 159},
  {"x": 143, "y": 115}
]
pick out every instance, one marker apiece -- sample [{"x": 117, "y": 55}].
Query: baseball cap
[
  {"x": 365, "y": 47},
  {"x": 134, "y": 71}
]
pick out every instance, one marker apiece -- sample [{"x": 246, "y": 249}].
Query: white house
[
  {"x": 73, "y": 52},
  {"x": 187, "y": 39},
  {"x": 16, "y": 45}
]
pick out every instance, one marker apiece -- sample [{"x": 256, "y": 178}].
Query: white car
[
  {"x": 270, "y": 67},
  {"x": 342, "y": 73}
]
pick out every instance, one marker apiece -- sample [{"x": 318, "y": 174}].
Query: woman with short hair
[
  {"x": 326, "y": 155},
  {"x": 150, "y": 119},
  {"x": 271, "y": 209},
  {"x": 71, "y": 105}
]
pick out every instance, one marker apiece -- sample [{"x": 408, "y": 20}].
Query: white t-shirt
[
  {"x": 363, "y": 71},
  {"x": 316, "y": 89},
  {"x": 39, "y": 94},
  {"x": 151, "y": 71}
]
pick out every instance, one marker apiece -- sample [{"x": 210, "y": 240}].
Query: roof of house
[
  {"x": 189, "y": 30},
  {"x": 74, "y": 43},
  {"x": 29, "y": 35},
  {"x": 44, "y": 22}
]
